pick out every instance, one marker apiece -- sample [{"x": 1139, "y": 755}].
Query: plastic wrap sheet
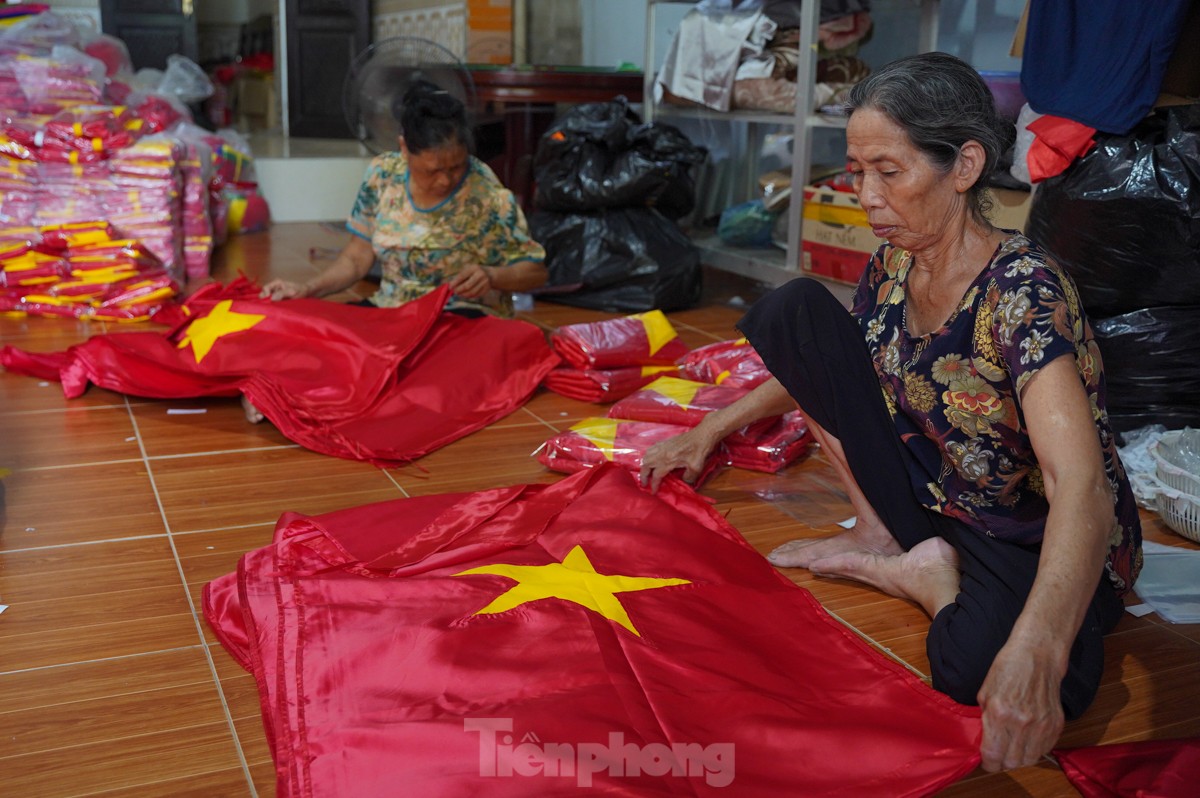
[
  {"x": 732, "y": 363},
  {"x": 593, "y": 441},
  {"x": 670, "y": 400},
  {"x": 643, "y": 339},
  {"x": 1124, "y": 220},
  {"x": 603, "y": 385},
  {"x": 1150, "y": 358},
  {"x": 771, "y": 449}
]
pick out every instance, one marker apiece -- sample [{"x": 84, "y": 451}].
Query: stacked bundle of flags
[
  {"x": 607, "y": 360},
  {"x": 730, "y": 363},
  {"x": 596, "y": 441},
  {"x": 81, "y": 271}
]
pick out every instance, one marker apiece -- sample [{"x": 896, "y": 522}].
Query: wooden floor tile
[
  {"x": 21, "y": 394},
  {"x": 220, "y": 426},
  {"x": 73, "y": 571},
  {"x": 67, "y": 437},
  {"x": 229, "y": 783},
  {"x": 496, "y": 456},
  {"x": 61, "y": 506},
  {"x": 256, "y": 487}
]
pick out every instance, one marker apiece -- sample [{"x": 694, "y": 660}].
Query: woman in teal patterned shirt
[
  {"x": 431, "y": 214},
  {"x": 962, "y": 402}
]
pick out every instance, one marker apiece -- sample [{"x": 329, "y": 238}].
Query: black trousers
[{"x": 815, "y": 348}]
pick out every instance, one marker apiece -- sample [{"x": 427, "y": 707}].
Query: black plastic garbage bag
[
  {"x": 1151, "y": 366},
  {"x": 599, "y": 155},
  {"x": 626, "y": 260},
  {"x": 1124, "y": 220}
]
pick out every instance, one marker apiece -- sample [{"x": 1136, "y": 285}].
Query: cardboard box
[
  {"x": 1010, "y": 208},
  {"x": 254, "y": 101},
  {"x": 836, "y": 241}
]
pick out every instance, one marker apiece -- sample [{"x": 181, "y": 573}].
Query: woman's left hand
[{"x": 471, "y": 282}]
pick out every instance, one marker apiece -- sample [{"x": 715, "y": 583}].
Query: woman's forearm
[
  {"x": 524, "y": 275},
  {"x": 350, "y": 266},
  {"x": 767, "y": 400}
]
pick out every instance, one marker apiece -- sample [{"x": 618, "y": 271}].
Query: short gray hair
[{"x": 942, "y": 103}]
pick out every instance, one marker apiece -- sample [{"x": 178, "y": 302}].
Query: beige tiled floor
[{"x": 118, "y": 512}]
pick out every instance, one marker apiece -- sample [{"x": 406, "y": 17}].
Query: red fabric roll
[
  {"x": 603, "y": 385},
  {"x": 640, "y": 340},
  {"x": 731, "y": 363},
  {"x": 770, "y": 449},
  {"x": 669, "y": 400},
  {"x": 594, "y": 441}
]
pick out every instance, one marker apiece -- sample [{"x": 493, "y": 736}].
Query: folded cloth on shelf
[
  {"x": 594, "y": 441},
  {"x": 643, "y": 339},
  {"x": 376, "y": 384},
  {"x": 612, "y": 632},
  {"x": 603, "y": 385}
]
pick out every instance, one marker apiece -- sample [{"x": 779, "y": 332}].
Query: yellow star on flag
[
  {"x": 658, "y": 330},
  {"x": 573, "y": 579},
  {"x": 602, "y": 432},
  {"x": 681, "y": 392},
  {"x": 203, "y": 332}
]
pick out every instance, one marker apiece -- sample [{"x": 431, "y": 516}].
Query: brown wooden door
[
  {"x": 151, "y": 29},
  {"x": 323, "y": 38}
]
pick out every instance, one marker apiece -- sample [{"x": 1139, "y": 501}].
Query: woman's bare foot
[
  {"x": 875, "y": 539},
  {"x": 253, "y": 414},
  {"x": 927, "y": 573}
]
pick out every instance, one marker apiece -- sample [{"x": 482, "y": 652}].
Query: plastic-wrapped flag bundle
[
  {"x": 80, "y": 271},
  {"x": 603, "y": 385},
  {"x": 731, "y": 363},
  {"x": 642, "y": 339},
  {"x": 768, "y": 449},
  {"x": 593, "y": 441},
  {"x": 669, "y": 400}
]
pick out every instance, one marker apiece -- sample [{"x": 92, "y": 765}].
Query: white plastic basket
[
  {"x": 1180, "y": 511},
  {"x": 1171, "y": 454}
]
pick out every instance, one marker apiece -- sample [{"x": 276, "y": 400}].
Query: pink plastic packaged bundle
[
  {"x": 670, "y": 400},
  {"x": 90, "y": 129},
  {"x": 593, "y": 441},
  {"x": 733, "y": 363},
  {"x": 603, "y": 385},
  {"x": 771, "y": 449},
  {"x": 642, "y": 339}
]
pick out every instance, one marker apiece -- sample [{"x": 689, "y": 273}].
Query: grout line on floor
[
  {"x": 187, "y": 594},
  {"x": 79, "y": 543},
  {"x": 392, "y": 479},
  {"x": 96, "y": 660}
]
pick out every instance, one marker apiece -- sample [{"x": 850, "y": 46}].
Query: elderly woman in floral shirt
[
  {"x": 962, "y": 403},
  {"x": 432, "y": 213}
]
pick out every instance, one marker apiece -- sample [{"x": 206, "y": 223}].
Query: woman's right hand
[
  {"x": 689, "y": 451},
  {"x": 283, "y": 289}
]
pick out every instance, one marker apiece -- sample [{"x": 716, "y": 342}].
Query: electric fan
[{"x": 379, "y": 76}]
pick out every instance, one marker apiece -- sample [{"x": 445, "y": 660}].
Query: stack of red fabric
[
  {"x": 608, "y": 360},
  {"x": 768, "y": 448},
  {"x": 670, "y": 400},
  {"x": 595, "y": 441},
  {"x": 731, "y": 363}
]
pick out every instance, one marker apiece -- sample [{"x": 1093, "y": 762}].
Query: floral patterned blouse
[
  {"x": 954, "y": 394},
  {"x": 420, "y": 248}
]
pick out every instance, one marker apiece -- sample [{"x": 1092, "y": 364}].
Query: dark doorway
[
  {"x": 323, "y": 37},
  {"x": 151, "y": 29}
]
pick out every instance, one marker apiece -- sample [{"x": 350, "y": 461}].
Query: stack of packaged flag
[
  {"x": 729, "y": 363},
  {"x": 608, "y": 360},
  {"x": 81, "y": 271}
]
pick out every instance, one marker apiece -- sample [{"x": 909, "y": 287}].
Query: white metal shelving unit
[{"x": 773, "y": 266}]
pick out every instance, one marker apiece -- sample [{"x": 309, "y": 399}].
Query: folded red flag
[
  {"x": 603, "y": 385},
  {"x": 550, "y": 639},
  {"x": 643, "y": 339},
  {"x": 670, "y": 400},
  {"x": 594, "y": 441},
  {"x": 1143, "y": 769},
  {"x": 770, "y": 449},
  {"x": 1057, "y": 143},
  {"x": 385, "y": 385},
  {"x": 731, "y": 363}
]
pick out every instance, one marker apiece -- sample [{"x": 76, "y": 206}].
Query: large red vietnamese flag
[
  {"x": 541, "y": 640},
  {"x": 386, "y": 385}
]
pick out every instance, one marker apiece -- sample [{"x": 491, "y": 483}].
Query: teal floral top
[
  {"x": 420, "y": 248},
  {"x": 955, "y": 394}
]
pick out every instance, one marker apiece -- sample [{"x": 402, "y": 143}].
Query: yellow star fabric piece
[
  {"x": 658, "y": 330},
  {"x": 574, "y": 579},
  {"x": 203, "y": 332},
  {"x": 600, "y": 431}
]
